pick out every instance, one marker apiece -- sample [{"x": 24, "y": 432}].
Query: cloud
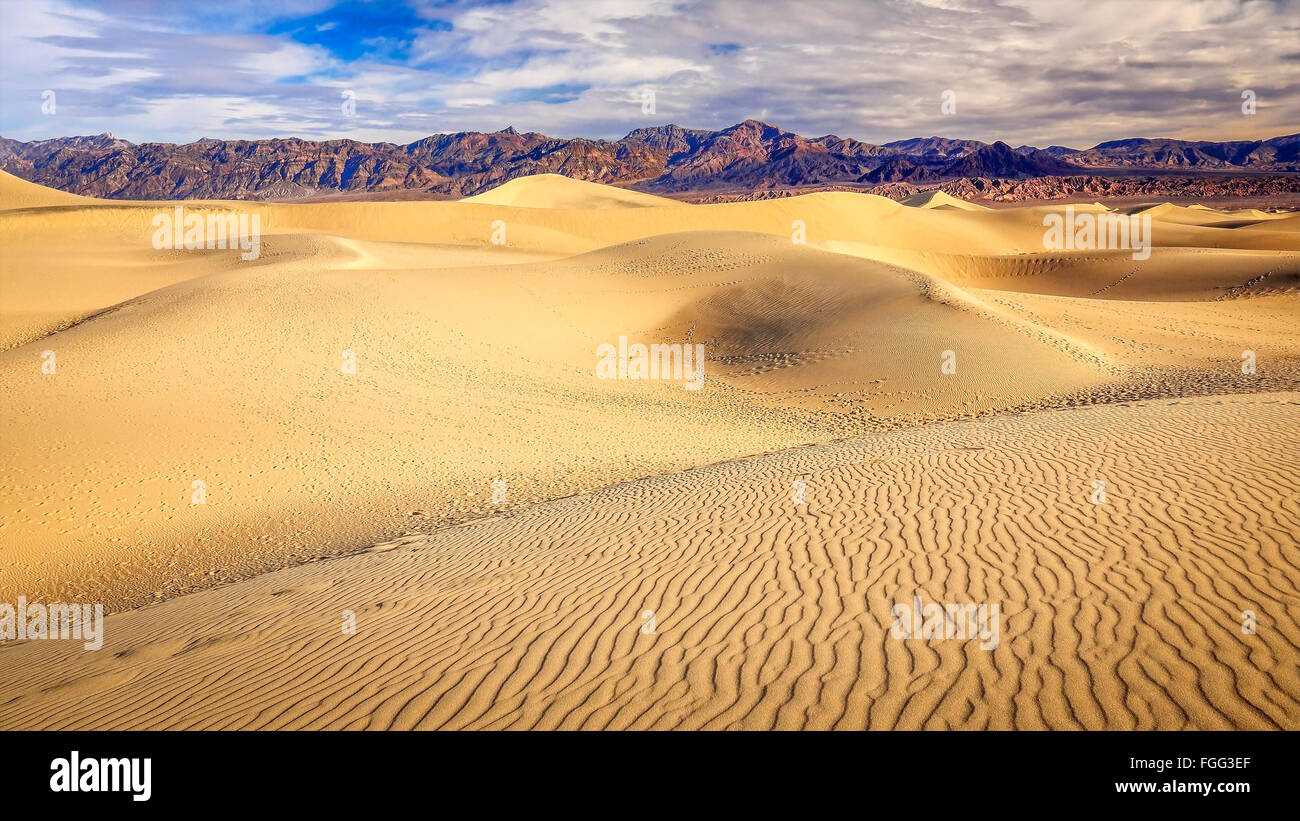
[{"x": 1023, "y": 71}]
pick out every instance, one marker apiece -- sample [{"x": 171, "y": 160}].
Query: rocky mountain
[
  {"x": 667, "y": 159},
  {"x": 935, "y": 149},
  {"x": 1002, "y": 162},
  {"x": 1052, "y": 150},
  {"x": 1279, "y": 153}
]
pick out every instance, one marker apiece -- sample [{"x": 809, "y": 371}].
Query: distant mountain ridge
[{"x": 664, "y": 159}]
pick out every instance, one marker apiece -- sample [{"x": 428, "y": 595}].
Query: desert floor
[{"x": 828, "y": 469}]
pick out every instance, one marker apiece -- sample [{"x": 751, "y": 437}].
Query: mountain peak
[{"x": 755, "y": 125}]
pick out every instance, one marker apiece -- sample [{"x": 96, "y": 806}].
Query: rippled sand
[{"x": 768, "y": 613}]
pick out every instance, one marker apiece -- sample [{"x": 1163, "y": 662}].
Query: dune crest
[
  {"x": 939, "y": 199},
  {"x": 19, "y": 193},
  {"x": 556, "y": 191}
]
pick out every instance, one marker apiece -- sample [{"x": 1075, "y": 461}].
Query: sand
[
  {"x": 552, "y": 191},
  {"x": 769, "y": 614},
  {"x": 939, "y": 199},
  {"x": 475, "y": 371}
]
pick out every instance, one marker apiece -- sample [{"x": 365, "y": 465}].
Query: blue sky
[{"x": 1023, "y": 71}]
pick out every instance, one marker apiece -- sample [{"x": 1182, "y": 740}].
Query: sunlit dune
[
  {"x": 939, "y": 199},
  {"x": 555, "y": 191}
]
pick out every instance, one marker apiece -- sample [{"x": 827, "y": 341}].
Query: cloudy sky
[{"x": 1024, "y": 71}]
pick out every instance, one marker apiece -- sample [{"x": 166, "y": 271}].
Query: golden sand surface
[
  {"x": 515, "y": 514},
  {"x": 768, "y": 611}
]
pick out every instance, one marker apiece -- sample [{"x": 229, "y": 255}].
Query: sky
[{"x": 1038, "y": 72}]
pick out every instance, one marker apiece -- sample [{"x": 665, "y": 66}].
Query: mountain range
[{"x": 751, "y": 156}]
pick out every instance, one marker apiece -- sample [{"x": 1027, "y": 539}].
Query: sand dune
[
  {"x": 298, "y": 457},
  {"x": 769, "y": 614},
  {"x": 18, "y": 193},
  {"x": 183, "y": 366},
  {"x": 939, "y": 199},
  {"x": 555, "y": 191},
  {"x": 1199, "y": 215},
  {"x": 1170, "y": 275},
  {"x": 473, "y": 327}
]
